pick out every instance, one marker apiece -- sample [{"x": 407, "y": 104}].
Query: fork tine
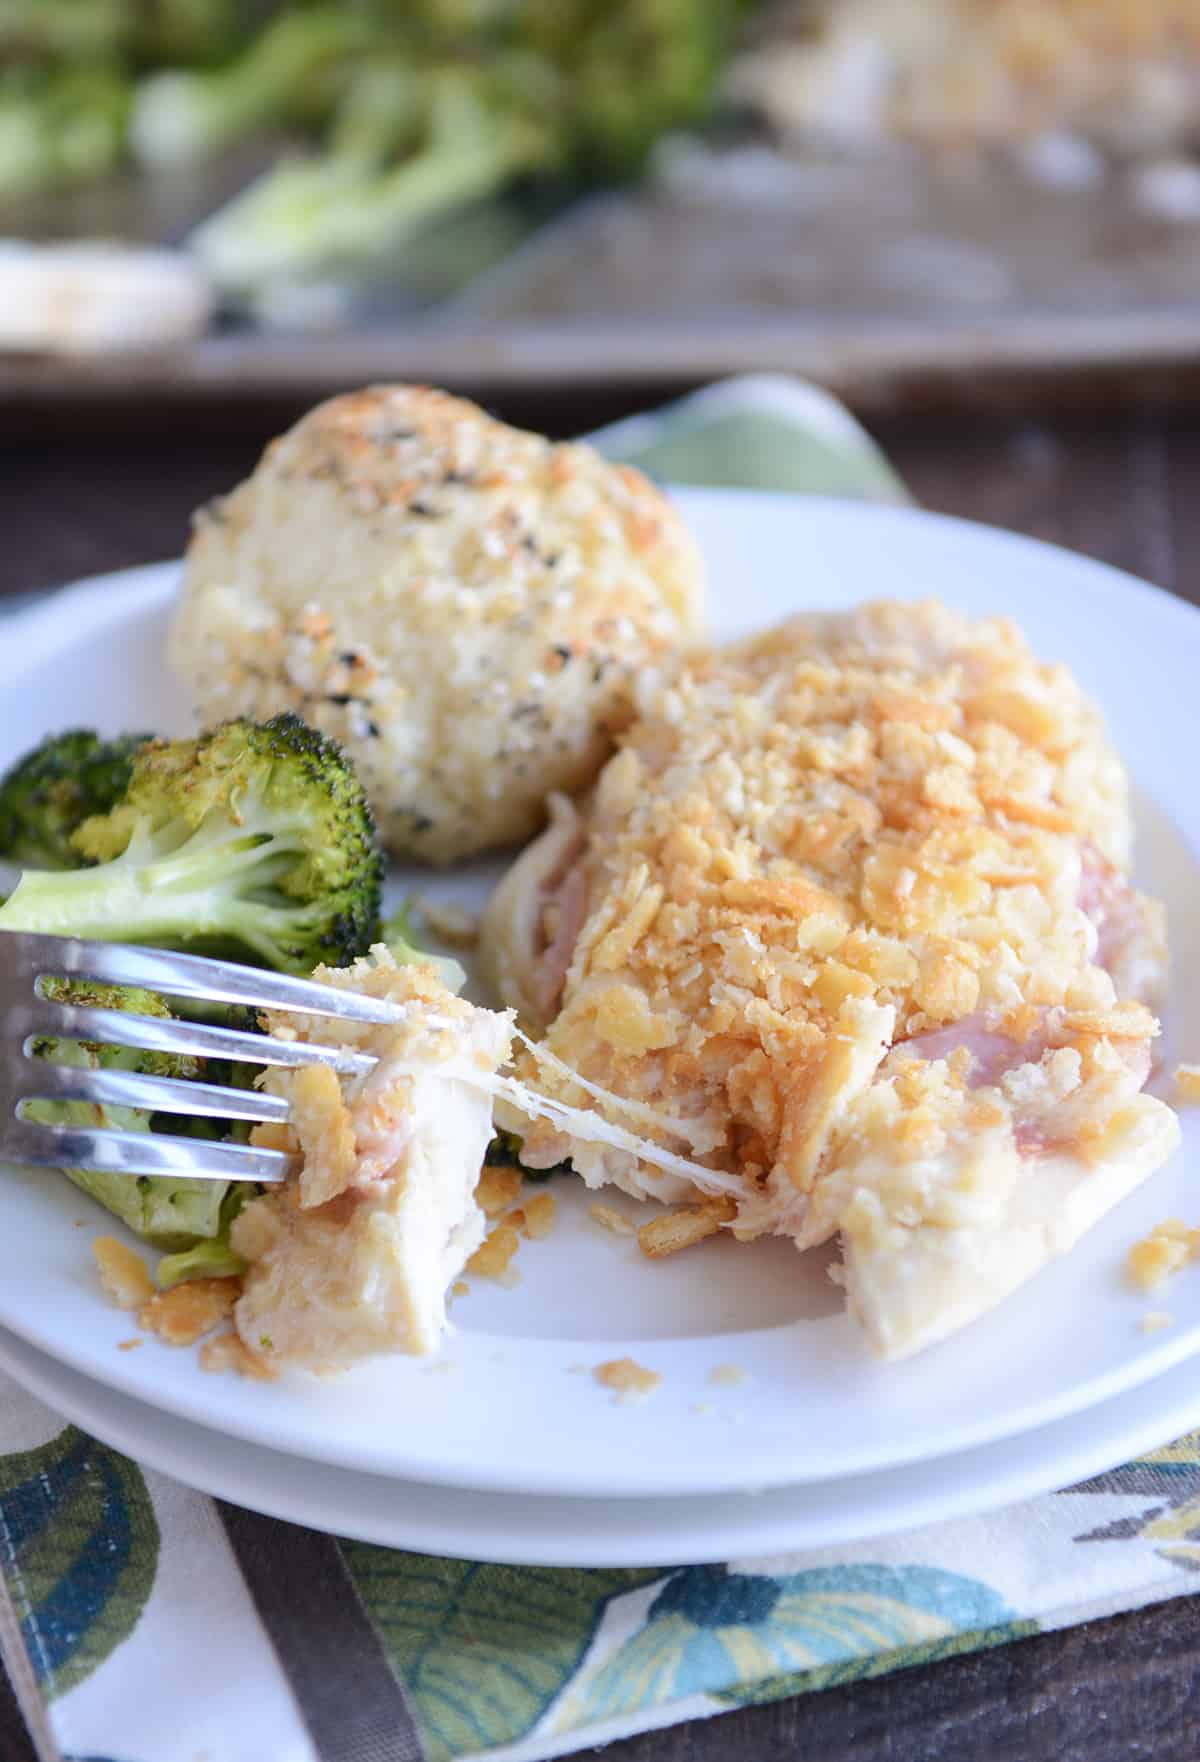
[
  {"x": 47, "y": 1081},
  {"x": 142, "y": 1153},
  {"x": 191, "y": 975},
  {"x": 116, "y": 1027}
]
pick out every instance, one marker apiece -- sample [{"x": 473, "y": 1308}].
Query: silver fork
[{"x": 27, "y": 1014}]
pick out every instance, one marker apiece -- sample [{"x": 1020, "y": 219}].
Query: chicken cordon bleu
[
  {"x": 354, "y": 1257},
  {"x": 842, "y": 941}
]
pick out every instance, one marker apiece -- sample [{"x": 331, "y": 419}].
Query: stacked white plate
[{"x": 772, "y": 1428}]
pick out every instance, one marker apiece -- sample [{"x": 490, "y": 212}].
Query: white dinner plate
[
  {"x": 509, "y": 1405},
  {"x": 520, "y": 1529}
]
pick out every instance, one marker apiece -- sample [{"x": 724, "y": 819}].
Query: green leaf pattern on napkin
[
  {"x": 864, "y": 1665},
  {"x": 79, "y": 1549},
  {"x": 1168, "y": 1481},
  {"x": 747, "y": 1635},
  {"x": 482, "y": 1651},
  {"x": 488, "y": 1653}
]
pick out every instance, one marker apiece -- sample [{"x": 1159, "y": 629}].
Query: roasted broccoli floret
[
  {"x": 401, "y": 939},
  {"x": 212, "y": 1257},
  {"x": 170, "y": 1212},
  {"x": 253, "y": 841},
  {"x": 47, "y": 795}
]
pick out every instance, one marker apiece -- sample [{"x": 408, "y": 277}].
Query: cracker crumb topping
[{"x": 854, "y": 888}]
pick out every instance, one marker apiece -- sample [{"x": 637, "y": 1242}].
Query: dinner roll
[{"x": 463, "y": 605}]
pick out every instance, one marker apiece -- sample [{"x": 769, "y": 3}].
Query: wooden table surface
[{"x": 1121, "y": 484}]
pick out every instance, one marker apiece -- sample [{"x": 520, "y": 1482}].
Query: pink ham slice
[
  {"x": 994, "y": 1054},
  {"x": 566, "y": 908},
  {"x": 1113, "y": 906}
]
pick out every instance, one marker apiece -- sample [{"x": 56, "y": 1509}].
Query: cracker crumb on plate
[
  {"x": 1169, "y": 1246},
  {"x": 450, "y": 923},
  {"x": 123, "y": 1273},
  {"x": 609, "y": 1218},
  {"x": 676, "y": 1230},
  {"x": 230, "y": 1352},
  {"x": 497, "y": 1189},
  {"x": 491, "y": 1259},
  {"x": 1187, "y": 1082},
  {"x": 727, "y": 1375},
  {"x": 186, "y": 1313},
  {"x": 629, "y": 1380}
]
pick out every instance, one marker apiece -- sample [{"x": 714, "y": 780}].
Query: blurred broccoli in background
[
  {"x": 569, "y": 89},
  {"x": 129, "y": 32},
  {"x": 290, "y": 75},
  {"x": 60, "y": 125},
  {"x": 417, "y": 107},
  {"x": 68, "y": 73}
]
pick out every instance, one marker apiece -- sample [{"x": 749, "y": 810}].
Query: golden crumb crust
[
  {"x": 465, "y": 606},
  {"x": 854, "y": 888}
]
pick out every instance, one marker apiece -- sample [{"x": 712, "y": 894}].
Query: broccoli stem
[
  {"x": 310, "y": 216},
  {"x": 182, "y": 117},
  {"x": 209, "y": 889},
  {"x": 212, "y": 1258}
]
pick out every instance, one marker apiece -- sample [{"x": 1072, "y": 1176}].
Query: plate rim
[{"x": 954, "y": 1496}]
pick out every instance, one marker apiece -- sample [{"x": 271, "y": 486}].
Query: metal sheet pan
[{"x": 871, "y": 278}]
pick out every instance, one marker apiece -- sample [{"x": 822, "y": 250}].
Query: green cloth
[{"x": 758, "y": 432}]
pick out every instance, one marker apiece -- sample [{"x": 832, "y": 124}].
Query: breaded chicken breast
[
  {"x": 355, "y": 1257},
  {"x": 464, "y": 606},
  {"x": 847, "y": 918}
]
